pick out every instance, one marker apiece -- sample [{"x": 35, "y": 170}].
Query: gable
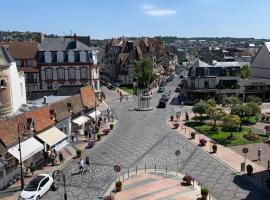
[{"x": 262, "y": 59}]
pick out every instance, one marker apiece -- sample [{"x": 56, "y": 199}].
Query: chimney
[
  {"x": 45, "y": 100},
  {"x": 75, "y": 40}
]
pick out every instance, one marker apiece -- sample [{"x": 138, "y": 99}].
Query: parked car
[
  {"x": 181, "y": 76},
  {"x": 161, "y": 89},
  {"x": 165, "y": 96},
  {"x": 162, "y": 84},
  {"x": 111, "y": 87},
  {"x": 162, "y": 103},
  {"x": 178, "y": 89},
  {"x": 37, "y": 187}
]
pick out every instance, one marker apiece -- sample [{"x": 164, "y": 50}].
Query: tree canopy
[
  {"x": 254, "y": 99},
  {"x": 232, "y": 101},
  {"x": 215, "y": 113},
  {"x": 144, "y": 72},
  {"x": 242, "y": 111},
  {"x": 231, "y": 123},
  {"x": 254, "y": 108},
  {"x": 245, "y": 71},
  {"x": 200, "y": 108}
]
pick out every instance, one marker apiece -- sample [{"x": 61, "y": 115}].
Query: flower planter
[
  {"x": 98, "y": 137},
  {"x": 193, "y": 134},
  {"x": 187, "y": 179},
  {"x": 118, "y": 186},
  {"x": 111, "y": 126},
  {"x": 172, "y": 118},
  {"x": 214, "y": 147},
  {"x": 106, "y": 131},
  {"x": 203, "y": 142},
  {"x": 90, "y": 144},
  {"x": 204, "y": 193},
  {"x": 176, "y": 125},
  {"x": 79, "y": 153}
]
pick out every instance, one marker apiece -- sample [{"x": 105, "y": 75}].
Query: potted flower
[
  {"x": 106, "y": 131},
  {"x": 214, "y": 147},
  {"x": 79, "y": 153},
  {"x": 118, "y": 186},
  {"x": 203, "y": 142},
  {"x": 249, "y": 170},
  {"x": 204, "y": 193},
  {"x": 176, "y": 125},
  {"x": 110, "y": 197},
  {"x": 98, "y": 137},
  {"x": 91, "y": 144},
  {"x": 193, "y": 135},
  {"x": 111, "y": 126},
  {"x": 172, "y": 117},
  {"x": 187, "y": 179}
]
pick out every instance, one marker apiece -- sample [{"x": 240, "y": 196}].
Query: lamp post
[
  {"x": 57, "y": 176},
  {"x": 21, "y": 131}
]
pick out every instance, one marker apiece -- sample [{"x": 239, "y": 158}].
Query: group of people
[
  {"x": 55, "y": 157},
  {"x": 82, "y": 163},
  {"x": 122, "y": 97}
]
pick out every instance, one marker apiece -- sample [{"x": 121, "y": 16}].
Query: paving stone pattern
[{"x": 143, "y": 138}]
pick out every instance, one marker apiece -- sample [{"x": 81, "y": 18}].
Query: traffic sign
[
  {"x": 245, "y": 150},
  {"x": 117, "y": 168},
  {"x": 177, "y": 152}
]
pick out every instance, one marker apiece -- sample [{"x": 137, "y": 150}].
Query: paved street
[{"x": 143, "y": 138}]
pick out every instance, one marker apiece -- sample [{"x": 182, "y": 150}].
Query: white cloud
[{"x": 151, "y": 9}]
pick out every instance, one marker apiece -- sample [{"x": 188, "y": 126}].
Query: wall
[{"x": 18, "y": 90}]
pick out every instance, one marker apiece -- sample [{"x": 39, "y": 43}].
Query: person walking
[
  {"x": 32, "y": 168},
  {"x": 56, "y": 156},
  {"x": 81, "y": 165},
  {"x": 259, "y": 154},
  {"x": 61, "y": 157},
  {"x": 187, "y": 116}
]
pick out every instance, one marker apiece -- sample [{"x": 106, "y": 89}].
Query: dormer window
[{"x": 3, "y": 84}]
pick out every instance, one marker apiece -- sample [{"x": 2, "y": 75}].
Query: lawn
[
  {"x": 129, "y": 89},
  {"x": 221, "y": 136}
]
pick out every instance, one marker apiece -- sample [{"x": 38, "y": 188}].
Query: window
[
  {"x": 65, "y": 56},
  {"x": 44, "y": 182},
  {"x": 72, "y": 73},
  {"x": 77, "y": 56},
  {"x": 54, "y": 56},
  {"x": 41, "y": 57},
  {"x": 206, "y": 72},
  {"x": 3, "y": 84},
  {"x": 49, "y": 86},
  {"x": 18, "y": 63},
  {"x": 206, "y": 84},
  {"x": 30, "y": 78},
  {"x": 61, "y": 73},
  {"x": 84, "y": 73},
  {"x": 29, "y": 63},
  {"x": 48, "y": 74}
]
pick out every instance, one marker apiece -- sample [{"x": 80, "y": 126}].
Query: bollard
[
  {"x": 145, "y": 168},
  {"x": 155, "y": 168},
  {"x": 123, "y": 177},
  {"x": 136, "y": 170},
  {"x": 128, "y": 173},
  {"x": 166, "y": 169}
]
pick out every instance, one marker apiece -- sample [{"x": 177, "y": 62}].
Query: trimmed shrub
[
  {"x": 98, "y": 137},
  {"x": 214, "y": 147},
  {"x": 79, "y": 153},
  {"x": 111, "y": 126},
  {"x": 118, "y": 186}
]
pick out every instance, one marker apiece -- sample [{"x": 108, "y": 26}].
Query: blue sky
[{"x": 114, "y": 18}]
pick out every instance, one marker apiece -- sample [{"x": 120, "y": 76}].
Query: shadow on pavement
[{"x": 255, "y": 191}]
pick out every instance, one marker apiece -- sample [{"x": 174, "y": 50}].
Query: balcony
[{"x": 31, "y": 81}]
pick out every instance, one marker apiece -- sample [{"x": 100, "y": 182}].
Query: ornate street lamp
[
  {"x": 21, "y": 131},
  {"x": 58, "y": 177}
]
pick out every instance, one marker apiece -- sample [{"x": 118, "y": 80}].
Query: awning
[
  {"x": 28, "y": 148},
  {"x": 52, "y": 136},
  {"x": 80, "y": 120},
  {"x": 93, "y": 115}
]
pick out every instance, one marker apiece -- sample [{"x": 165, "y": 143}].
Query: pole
[
  {"x": 245, "y": 162},
  {"x": 21, "y": 131},
  {"x": 95, "y": 132},
  {"x": 177, "y": 166}
]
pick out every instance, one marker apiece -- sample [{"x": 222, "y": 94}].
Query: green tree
[
  {"x": 242, "y": 111},
  {"x": 231, "y": 123},
  {"x": 200, "y": 108},
  {"x": 144, "y": 72},
  {"x": 215, "y": 113},
  {"x": 245, "y": 71},
  {"x": 254, "y": 99},
  {"x": 254, "y": 108},
  {"x": 231, "y": 102},
  {"x": 211, "y": 102}
]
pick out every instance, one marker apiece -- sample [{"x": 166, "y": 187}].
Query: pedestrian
[
  {"x": 108, "y": 111},
  {"x": 182, "y": 104},
  {"x": 52, "y": 157},
  {"x": 81, "y": 165},
  {"x": 259, "y": 154},
  {"x": 187, "y": 116},
  {"x": 127, "y": 97},
  {"x": 112, "y": 118},
  {"x": 72, "y": 137},
  {"x": 32, "y": 168},
  {"x": 56, "y": 156},
  {"x": 120, "y": 99},
  {"x": 61, "y": 157}
]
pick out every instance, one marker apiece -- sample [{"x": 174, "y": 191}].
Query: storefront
[
  {"x": 31, "y": 151},
  {"x": 80, "y": 124},
  {"x": 53, "y": 138},
  {"x": 94, "y": 114}
]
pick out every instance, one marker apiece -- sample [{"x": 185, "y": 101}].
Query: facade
[
  {"x": 213, "y": 81},
  {"x": 121, "y": 55},
  {"x": 67, "y": 61},
  {"x": 24, "y": 54},
  {"x": 12, "y": 85}
]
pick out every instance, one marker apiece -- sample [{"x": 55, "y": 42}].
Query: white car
[{"x": 37, "y": 187}]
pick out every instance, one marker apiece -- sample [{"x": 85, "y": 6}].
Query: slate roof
[
  {"x": 227, "y": 64},
  {"x": 22, "y": 50},
  {"x": 5, "y": 57},
  {"x": 200, "y": 63},
  {"x": 62, "y": 44}
]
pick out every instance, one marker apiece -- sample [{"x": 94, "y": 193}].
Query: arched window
[{"x": 3, "y": 83}]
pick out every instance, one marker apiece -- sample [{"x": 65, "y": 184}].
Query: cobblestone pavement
[{"x": 143, "y": 138}]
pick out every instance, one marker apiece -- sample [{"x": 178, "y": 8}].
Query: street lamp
[
  {"x": 57, "y": 176},
  {"x": 21, "y": 131}
]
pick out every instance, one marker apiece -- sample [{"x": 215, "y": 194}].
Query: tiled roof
[
  {"x": 88, "y": 97},
  {"x": 9, "y": 130},
  {"x": 76, "y": 102},
  {"x": 60, "y": 109},
  {"x": 22, "y": 50},
  {"x": 41, "y": 117}
]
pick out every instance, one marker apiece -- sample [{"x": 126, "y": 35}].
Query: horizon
[{"x": 149, "y": 18}]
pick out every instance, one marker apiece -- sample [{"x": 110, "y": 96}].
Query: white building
[{"x": 12, "y": 85}]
